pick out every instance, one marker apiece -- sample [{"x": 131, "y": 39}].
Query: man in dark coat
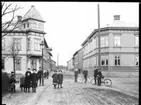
[
  {"x": 95, "y": 75},
  {"x": 34, "y": 80},
  {"x": 60, "y": 79},
  {"x": 47, "y": 74},
  {"x": 40, "y": 74},
  {"x": 76, "y": 74},
  {"x": 12, "y": 82},
  {"x": 55, "y": 79},
  {"x": 22, "y": 83},
  {"x": 27, "y": 80},
  {"x": 99, "y": 76},
  {"x": 85, "y": 73}
]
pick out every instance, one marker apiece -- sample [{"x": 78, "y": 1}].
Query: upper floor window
[
  {"x": 28, "y": 44},
  {"x": 24, "y": 25},
  {"x": 117, "y": 60},
  {"x": 40, "y": 26},
  {"x": 27, "y": 24},
  {"x": 18, "y": 63},
  {"x": 3, "y": 63},
  {"x": 137, "y": 61},
  {"x": 17, "y": 43},
  {"x": 37, "y": 44},
  {"x": 34, "y": 25},
  {"x": 136, "y": 41},
  {"x": 104, "y": 41},
  {"x": 117, "y": 41}
]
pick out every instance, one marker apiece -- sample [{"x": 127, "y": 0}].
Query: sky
[{"x": 68, "y": 24}]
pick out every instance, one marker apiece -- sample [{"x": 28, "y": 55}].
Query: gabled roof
[{"x": 33, "y": 14}]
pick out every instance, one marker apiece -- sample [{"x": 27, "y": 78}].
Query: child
[
  {"x": 22, "y": 83},
  {"x": 34, "y": 80},
  {"x": 55, "y": 79},
  {"x": 60, "y": 78}
]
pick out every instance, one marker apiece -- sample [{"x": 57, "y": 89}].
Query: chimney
[
  {"x": 116, "y": 17},
  {"x": 32, "y": 6},
  {"x": 19, "y": 18}
]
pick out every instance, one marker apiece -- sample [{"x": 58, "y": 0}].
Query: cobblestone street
[{"x": 71, "y": 94}]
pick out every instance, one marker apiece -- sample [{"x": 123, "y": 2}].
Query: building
[
  {"x": 27, "y": 39},
  {"x": 70, "y": 64},
  {"x": 53, "y": 65},
  {"x": 75, "y": 60},
  {"x": 119, "y": 45}
]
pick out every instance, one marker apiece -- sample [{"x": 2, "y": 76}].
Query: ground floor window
[
  {"x": 104, "y": 60},
  {"x": 18, "y": 63},
  {"x": 117, "y": 60}
]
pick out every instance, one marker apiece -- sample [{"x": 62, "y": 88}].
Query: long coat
[
  {"x": 28, "y": 79},
  {"x": 34, "y": 80},
  {"x": 85, "y": 73},
  {"x": 39, "y": 74},
  {"x": 60, "y": 78},
  {"x": 95, "y": 72},
  {"x": 55, "y": 78}
]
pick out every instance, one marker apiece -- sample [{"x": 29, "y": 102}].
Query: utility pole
[{"x": 99, "y": 60}]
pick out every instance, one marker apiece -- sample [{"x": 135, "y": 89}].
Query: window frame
[
  {"x": 17, "y": 42},
  {"x": 117, "y": 60},
  {"x": 16, "y": 66},
  {"x": 115, "y": 41},
  {"x": 136, "y": 41},
  {"x": 137, "y": 60}
]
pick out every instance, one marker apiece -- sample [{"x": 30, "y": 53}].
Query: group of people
[
  {"x": 57, "y": 78},
  {"x": 30, "y": 79},
  {"x": 97, "y": 75}
]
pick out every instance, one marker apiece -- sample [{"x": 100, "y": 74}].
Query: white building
[
  {"x": 70, "y": 64},
  {"x": 27, "y": 38}
]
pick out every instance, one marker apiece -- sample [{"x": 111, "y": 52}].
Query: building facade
[
  {"x": 119, "y": 45},
  {"x": 27, "y": 38},
  {"x": 70, "y": 64}
]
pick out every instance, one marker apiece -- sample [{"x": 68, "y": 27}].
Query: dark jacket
[
  {"x": 76, "y": 73},
  {"x": 22, "y": 81},
  {"x": 47, "y": 73},
  {"x": 12, "y": 79},
  {"x": 55, "y": 78},
  {"x": 60, "y": 78},
  {"x": 85, "y": 73},
  {"x": 99, "y": 74},
  {"x": 34, "y": 79},
  {"x": 40, "y": 73},
  {"x": 95, "y": 72},
  {"x": 28, "y": 79}
]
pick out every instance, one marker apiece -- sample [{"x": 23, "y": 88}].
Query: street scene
[{"x": 70, "y": 53}]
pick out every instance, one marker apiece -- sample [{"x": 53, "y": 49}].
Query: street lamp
[{"x": 42, "y": 47}]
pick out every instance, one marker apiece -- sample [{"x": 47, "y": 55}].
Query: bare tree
[
  {"x": 12, "y": 50},
  {"x": 10, "y": 25}
]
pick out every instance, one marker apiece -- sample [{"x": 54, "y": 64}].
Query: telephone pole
[{"x": 99, "y": 60}]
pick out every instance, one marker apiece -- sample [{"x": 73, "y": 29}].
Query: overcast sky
[{"x": 69, "y": 23}]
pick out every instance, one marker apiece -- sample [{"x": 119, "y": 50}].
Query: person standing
[
  {"x": 12, "y": 82},
  {"x": 95, "y": 75},
  {"x": 76, "y": 74},
  {"x": 55, "y": 79},
  {"x": 27, "y": 80},
  {"x": 40, "y": 76},
  {"x": 85, "y": 73},
  {"x": 99, "y": 76},
  {"x": 22, "y": 83},
  {"x": 60, "y": 79},
  {"x": 47, "y": 74},
  {"x": 34, "y": 80}
]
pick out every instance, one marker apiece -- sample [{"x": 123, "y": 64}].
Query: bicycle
[{"x": 106, "y": 81}]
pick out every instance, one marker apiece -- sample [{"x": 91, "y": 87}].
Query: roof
[
  {"x": 46, "y": 43},
  {"x": 33, "y": 14}
]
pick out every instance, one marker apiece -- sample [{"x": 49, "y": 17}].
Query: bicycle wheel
[
  {"x": 108, "y": 82},
  {"x": 80, "y": 79}
]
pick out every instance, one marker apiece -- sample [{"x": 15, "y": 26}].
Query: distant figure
[
  {"x": 60, "y": 79},
  {"x": 85, "y": 73},
  {"x": 99, "y": 76},
  {"x": 40, "y": 74},
  {"x": 55, "y": 79},
  {"x": 27, "y": 80},
  {"x": 95, "y": 75},
  {"x": 34, "y": 80},
  {"x": 22, "y": 83},
  {"x": 76, "y": 74},
  {"x": 47, "y": 74},
  {"x": 12, "y": 82}
]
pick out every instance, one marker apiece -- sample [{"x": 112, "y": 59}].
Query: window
[
  {"x": 117, "y": 41},
  {"x": 117, "y": 60},
  {"x": 136, "y": 41},
  {"x": 40, "y": 26},
  {"x": 33, "y": 64},
  {"x": 18, "y": 63},
  {"x": 104, "y": 60},
  {"x": 37, "y": 44},
  {"x": 34, "y": 25},
  {"x": 28, "y": 43},
  {"x": 27, "y": 24},
  {"x": 3, "y": 63},
  {"x": 104, "y": 41},
  {"x": 137, "y": 61},
  {"x": 24, "y": 26},
  {"x": 3, "y": 44},
  {"x": 17, "y": 43}
]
